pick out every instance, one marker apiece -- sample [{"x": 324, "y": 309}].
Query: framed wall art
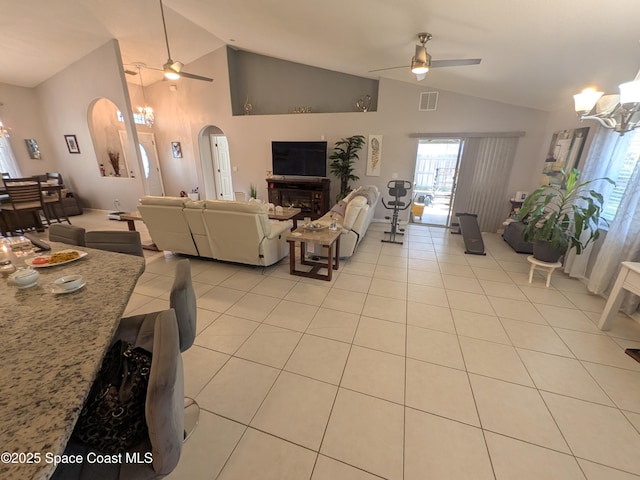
[
  {"x": 72, "y": 143},
  {"x": 176, "y": 149},
  {"x": 32, "y": 148},
  {"x": 374, "y": 155},
  {"x": 564, "y": 153}
]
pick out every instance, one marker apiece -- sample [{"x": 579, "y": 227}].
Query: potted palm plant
[
  {"x": 344, "y": 154},
  {"x": 558, "y": 219}
]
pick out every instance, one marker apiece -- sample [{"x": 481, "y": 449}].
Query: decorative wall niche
[
  {"x": 105, "y": 127},
  {"x": 262, "y": 85}
]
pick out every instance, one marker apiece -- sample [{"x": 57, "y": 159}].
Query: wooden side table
[
  {"x": 549, "y": 267},
  {"x": 325, "y": 237},
  {"x": 287, "y": 214},
  {"x": 628, "y": 279},
  {"x": 131, "y": 218}
]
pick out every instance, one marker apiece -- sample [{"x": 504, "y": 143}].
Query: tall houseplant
[
  {"x": 562, "y": 218},
  {"x": 345, "y": 152}
]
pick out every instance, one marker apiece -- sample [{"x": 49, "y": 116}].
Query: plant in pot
[
  {"x": 344, "y": 154},
  {"x": 253, "y": 191},
  {"x": 558, "y": 219}
]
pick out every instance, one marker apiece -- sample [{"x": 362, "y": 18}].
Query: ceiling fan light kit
[
  {"x": 421, "y": 62},
  {"x": 173, "y": 70},
  {"x": 616, "y": 112}
]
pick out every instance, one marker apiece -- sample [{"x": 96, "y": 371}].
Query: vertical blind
[{"x": 485, "y": 170}]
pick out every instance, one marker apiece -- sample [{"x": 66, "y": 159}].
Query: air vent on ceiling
[{"x": 428, "y": 101}]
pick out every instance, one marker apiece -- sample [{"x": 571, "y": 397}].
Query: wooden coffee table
[
  {"x": 287, "y": 214},
  {"x": 326, "y": 238}
]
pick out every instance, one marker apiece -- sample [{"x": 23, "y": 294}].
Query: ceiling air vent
[{"x": 428, "y": 101}]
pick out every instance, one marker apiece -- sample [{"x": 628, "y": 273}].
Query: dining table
[
  {"x": 50, "y": 189},
  {"x": 52, "y": 348}
]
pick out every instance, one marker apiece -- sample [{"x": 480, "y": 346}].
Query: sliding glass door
[{"x": 435, "y": 179}]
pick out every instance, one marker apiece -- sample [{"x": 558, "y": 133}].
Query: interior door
[
  {"x": 152, "y": 176},
  {"x": 222, "y": 167}
]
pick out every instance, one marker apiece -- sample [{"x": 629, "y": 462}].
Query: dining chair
[
  {"x": 163, "y": 407},
  {"x": 25, "y": 196},
  {"x": 55, "y": 176},
  {"x": 69, "y": 234},
  {"x": 115, "y": 241},
  {"x": 182, "y": 299},
  {"x": 54, "y": 196}
]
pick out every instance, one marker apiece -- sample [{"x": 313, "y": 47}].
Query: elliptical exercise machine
[{"x": 397, "y": 189}]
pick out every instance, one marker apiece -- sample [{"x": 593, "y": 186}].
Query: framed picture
[
  {"x": 564, "y": 153},
  {"x": 32, "y": 148},
  {"x": 177, "y": 149},
  {"x": 374, "y": 155},
  {"x": 72, "y": 143}
]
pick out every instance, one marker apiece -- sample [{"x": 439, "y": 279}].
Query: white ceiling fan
[
  {"x": 173, "y": 69},
  {"x": 421, "y": 62}
]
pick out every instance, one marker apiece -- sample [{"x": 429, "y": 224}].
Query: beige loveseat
[
  {"x": 223, "y": 230},
  {"x": 353, "y": 216}
]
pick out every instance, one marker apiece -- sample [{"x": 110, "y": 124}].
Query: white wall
[
  {"x": 22, "y": 115},
  {"x": 65, "y": 100}
]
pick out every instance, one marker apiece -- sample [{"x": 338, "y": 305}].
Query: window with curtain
[
  {"x": 625, "y": 163},
  {"x": 8, "y": 161}
]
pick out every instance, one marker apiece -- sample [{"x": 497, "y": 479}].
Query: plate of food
[{"x": 55, "y": 259}]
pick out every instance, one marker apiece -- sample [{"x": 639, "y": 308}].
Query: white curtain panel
[
  {"x": 621, "y": 244},
  {"x": 8, "y": 161},
  {"x": 601, "y": 162},
  {"x": 487, "y": 162}
]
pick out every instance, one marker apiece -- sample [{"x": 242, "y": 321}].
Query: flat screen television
[{"x": 307, "y": 159}]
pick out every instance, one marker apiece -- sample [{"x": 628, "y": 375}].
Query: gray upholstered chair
[
  {"x": 163, "y": 410},
  {"x": 182, "y": 300},
  {"x": 115, "y": 241},
  {"x": 70, "y": 234}
]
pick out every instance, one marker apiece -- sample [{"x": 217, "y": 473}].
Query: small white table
[
  {"x": 549, "y": 267},
  {"x": 628, "y": 279}
]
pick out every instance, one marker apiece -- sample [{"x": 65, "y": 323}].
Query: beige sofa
[
  {"x": 353, "y": 216},
  {"x": 223, "y": 230}
]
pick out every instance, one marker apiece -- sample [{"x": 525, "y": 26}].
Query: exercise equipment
[
  {"x": 398, "y": 189},
  {"x": 471, "y": 235}
]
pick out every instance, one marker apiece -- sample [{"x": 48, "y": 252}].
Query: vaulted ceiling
[{"x": 535, "y": 53}]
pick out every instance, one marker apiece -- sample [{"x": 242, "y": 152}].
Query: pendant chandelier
[
  {"x": 146, "y": 111},
  {"x": 617, "y": 112}
]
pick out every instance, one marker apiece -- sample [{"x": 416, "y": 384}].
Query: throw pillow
[
  {"x": 339, "y": 208},
  {"x": 352, "y": 211}
]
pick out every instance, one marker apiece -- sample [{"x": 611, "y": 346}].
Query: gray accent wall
[{"x": 274, "y": 86}]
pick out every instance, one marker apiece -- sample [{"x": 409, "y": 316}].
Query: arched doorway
[{"x": 216, "y": 164}]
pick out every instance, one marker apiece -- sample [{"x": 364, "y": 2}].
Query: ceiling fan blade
[
  {"x": 195, "y": 77},
  {"x": 455, "y": 63},
  {"x": 388, "y": 68}
]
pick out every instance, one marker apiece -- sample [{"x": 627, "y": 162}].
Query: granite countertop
[{"x": 52, "y": 348}]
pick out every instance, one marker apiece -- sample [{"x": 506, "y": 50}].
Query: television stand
[{"x": 311, "y": 195}]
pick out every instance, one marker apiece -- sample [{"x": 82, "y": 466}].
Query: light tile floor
[{"x": 415, "y": 362}]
